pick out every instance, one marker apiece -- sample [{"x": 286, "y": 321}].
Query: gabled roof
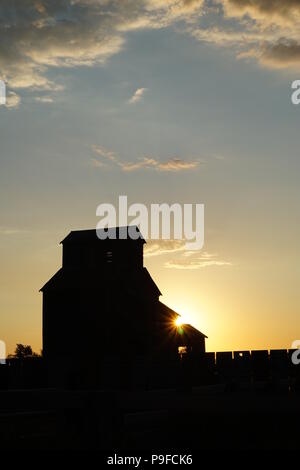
[
  {"x": 167, "y": 310},
  {"x": 90, "y": 236},
  {"x": 133, "y": 281},
  {"x": 191, "y": 330}
]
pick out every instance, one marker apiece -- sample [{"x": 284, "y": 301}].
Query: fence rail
[{"x": 187, "y": 370}]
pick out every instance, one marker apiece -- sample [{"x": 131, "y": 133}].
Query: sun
[
  {"x": 178, "y": 321},
  {"x": 181, "y": 320}
]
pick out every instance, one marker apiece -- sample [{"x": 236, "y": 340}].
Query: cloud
[
  {"x": 176, "y": 164},
  {"x": 272, "y": 34},
  {"x": 11, "y": 231},
  {"x": 267, "y": 31},
  {"x": 145, "y": 162},
  {"x": 162, "y": 247},
  {"x": 187, "y": 259},
  {"x": 285, "y": 53},
  {"x": 194, "y": 260},
  {"x": 39, "y": 35},
  {"x": 44, "y": 99},
  {"x": 36, "y": 35},
  {"x": 96, "y": 163},
  {"x": 175, "y": 9},
  {"x": 172, "y": 164},
  {"x": 103, "y": 152},
  {"x": 281, "y": 55},
  {"x": 137, "y": 96},
  {"x": 264, "y": 10}
]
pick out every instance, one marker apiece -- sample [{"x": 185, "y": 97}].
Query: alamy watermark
[
  {"x": 2, "y": 93},
  {"x": 295, "y": 97},
  {"x": 159, "y": 222},
  {"x": 2, "y": 352},
  {"x": 296, "y": 354}
]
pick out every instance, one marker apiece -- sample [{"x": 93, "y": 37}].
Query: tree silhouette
[{"x": 23, "y": 350}]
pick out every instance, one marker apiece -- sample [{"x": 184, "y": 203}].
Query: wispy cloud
[
  {"x": 187, "y": 259},
  {"x": 196, "y": 260},
  {"x": 163, "y": 247},
  {"x": 12, "y": 231},
  {"x": 97, "y": 163},
  {"x": 137, "y": 96},
  {"x": 44, "y": 99},
  {"x": 105, "y": 153},
  {"x": 172, "y": 164},
  {"x": 176, "y": 164}
]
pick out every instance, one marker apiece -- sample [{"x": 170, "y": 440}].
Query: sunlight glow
[{"x": 178, "y": 321}]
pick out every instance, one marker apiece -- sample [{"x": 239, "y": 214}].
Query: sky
[{"x": 183, "y": 101}]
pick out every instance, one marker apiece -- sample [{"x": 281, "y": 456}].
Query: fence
[
  {"x": 188, "y": 370},
  {"x": 237, "y": 367}
]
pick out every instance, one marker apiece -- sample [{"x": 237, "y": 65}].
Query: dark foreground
[{"x": 213, "y": 417}]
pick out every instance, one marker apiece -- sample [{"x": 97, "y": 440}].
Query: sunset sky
[{"x": 184, "y": 101}]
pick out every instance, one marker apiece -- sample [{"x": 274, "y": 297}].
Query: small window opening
[{"x": 182, "y": 350}]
